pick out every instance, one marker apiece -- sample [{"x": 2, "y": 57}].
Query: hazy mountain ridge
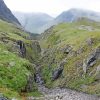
[
  {"x": 67, "y": 55},
  {"x": 32, "y": 22},
  {"x": 73, "y": 14},
  {"x": 39, "y": 22},
  {"x": 6, "y": 14}
]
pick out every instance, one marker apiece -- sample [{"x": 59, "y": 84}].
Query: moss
[
  {"x": 73, "y": 75},
  {"x": 14, "y": 70}
]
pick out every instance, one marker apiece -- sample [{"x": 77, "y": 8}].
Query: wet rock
[
  {"x": 57, "y": 73},
  {"x": 38, "y": 79},
  {"x": 91, "y": 59},
  {"x": 2, "y": 98},
  {"x": 22, "y": 48}
]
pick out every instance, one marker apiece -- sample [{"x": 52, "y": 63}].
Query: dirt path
[{"x": 62, "y": 94}]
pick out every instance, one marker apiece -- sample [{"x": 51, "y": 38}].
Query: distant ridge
[
  {"x": 39, "y": 22},
  {"x": 33, "y": 22},
  {"x": 6, "y": 14}
]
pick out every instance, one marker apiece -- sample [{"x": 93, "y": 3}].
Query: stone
[
  {"x": 36, "y": 46},
  {"x": 22, "y": 48},
  {"x": 57, "y": 73},
  {"x": 38, "y": 78},
  {"x": 91, "y": 59}
]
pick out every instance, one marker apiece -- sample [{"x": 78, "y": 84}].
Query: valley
[{"x": 61, "y": 63}]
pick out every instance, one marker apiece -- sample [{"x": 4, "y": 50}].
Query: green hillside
[
  {"x": 68, "y": 56},
  {"x": 17, "y": 55},
  {"x": 74, "y": 47}
]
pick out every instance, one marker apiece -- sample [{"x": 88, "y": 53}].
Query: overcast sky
[{"x": 51, "y": 7}]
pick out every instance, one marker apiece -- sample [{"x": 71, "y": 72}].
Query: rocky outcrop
[
  {"x": 57, "y": 73},
  {"x": 91, "y": 59},
  {"x": 36, "y": 46},
  {"x": 22, "y": 48},
  {"x": 38, "y": 78},
  {"x": 2, "y": 98},
  {"x": 6, "y": 14}
]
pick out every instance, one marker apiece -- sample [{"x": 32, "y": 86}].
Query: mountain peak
[
  {"x": 75, "y": 13},
  {"x": 6, "y": 14}
]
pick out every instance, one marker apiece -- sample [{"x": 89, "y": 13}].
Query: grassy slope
[
  {"x": 71, "y": 34},
  {"x": 14, "y": 70}
]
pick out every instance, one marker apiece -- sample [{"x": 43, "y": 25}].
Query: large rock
[
  {"x": 57, "y": 73},
  {"x": 22, "y": 48},
  {"x": 36, "y": 46},
  {"x": 2, "y": 98},
  {"x": 91, "y": 59},
  {"x": 38, "y": 79}
]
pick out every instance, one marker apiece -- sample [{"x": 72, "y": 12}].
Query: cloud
[{"x": 52, "y": 7}]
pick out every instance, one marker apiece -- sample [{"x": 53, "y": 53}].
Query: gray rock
[
  {"x": 57, "y": 73},
  {"x": 36, "y": 46},
  {"x": 22, "y": 48},
  {"x": 91, "y": 59},
  {"x": 3, "y": 98},
  {"x": 38, "y": 79}
]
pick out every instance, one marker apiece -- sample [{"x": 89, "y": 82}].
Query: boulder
[
  {"x": 22, "y": 48},
  {"x": 57, "y": 73},
  {"x": 91, "y": 59},
  {"x": 2, "y": 98},
  {"x": 38, "y": 79},
  {"x": 36, "y": 46}
]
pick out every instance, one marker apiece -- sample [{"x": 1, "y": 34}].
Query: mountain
[
  {"x": 32, "y": 22},
  {"x": 71, "y": 56},
  {"x": 73, "y": 14},
  {"x": 39, "y": 22},
  {"x": 65, "y": 55},
  {"x": 6, "y": 14}
]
